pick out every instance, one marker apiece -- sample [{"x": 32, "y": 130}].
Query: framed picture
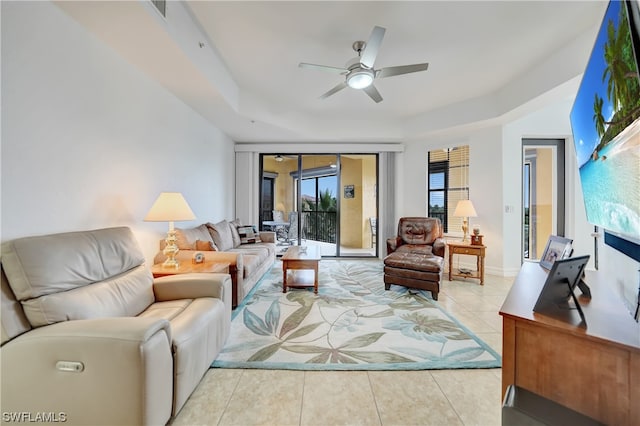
[
  {"x": 349, "y": 191},
  {"x": 557, "y": 248}
]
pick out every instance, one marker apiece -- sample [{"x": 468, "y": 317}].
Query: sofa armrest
[
  {"x": 193, "y": 286},
  {"x": 267, "y": 236},
  {"x": 439, "y": 247},
  {"x": 108, "y": 371},
  {"x": 120, "y": 328}
]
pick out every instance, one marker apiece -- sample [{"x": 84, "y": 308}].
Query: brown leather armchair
[
  {"x": 422, "y": 235},
  {"x": 415, "y": 258}
]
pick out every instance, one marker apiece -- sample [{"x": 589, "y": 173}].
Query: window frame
[
  {"x": 456, "y": 182},
  {"x": 437, "y": 168}
]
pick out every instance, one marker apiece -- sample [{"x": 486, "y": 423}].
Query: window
[
  {"x": 268, "y": 195},
  {"x": 447, "y": 183},
  {"x": 438, "y": 182}
]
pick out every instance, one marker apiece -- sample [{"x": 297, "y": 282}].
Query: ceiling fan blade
[
  {"x": 373, "y": 93},
  {"x": 399, "y": 70},
  {"x": 334, "y": 70},
  {"x": 338, "y": 88},
  {"x": 371, "y": 48}
]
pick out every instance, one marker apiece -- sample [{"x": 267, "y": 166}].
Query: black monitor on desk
[{"x": 559, "y": 286}]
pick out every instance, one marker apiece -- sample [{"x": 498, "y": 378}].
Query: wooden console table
[
  {"x": 592, "y": 369},
  {"x": 472, "y": 250}
]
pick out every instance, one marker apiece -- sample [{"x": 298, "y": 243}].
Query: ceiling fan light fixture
[
  {"x": 279, "y": 158},
  {"x": 360, "y": 78}
]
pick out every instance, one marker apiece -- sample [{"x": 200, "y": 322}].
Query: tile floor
[{"x": 432, "y": 397}]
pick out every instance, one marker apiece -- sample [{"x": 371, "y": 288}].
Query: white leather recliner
[{"x": 90, "y": 337}]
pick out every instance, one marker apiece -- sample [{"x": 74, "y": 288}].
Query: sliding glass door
[
  {"x": 319, "y": 201},
  {"x": 328, "y": 200}
]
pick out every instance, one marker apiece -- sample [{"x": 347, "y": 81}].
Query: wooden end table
[
  {"x": 186, "y": 267},
  {"x": 471, "y": 250},
  {"x": 299, "y": 259}
]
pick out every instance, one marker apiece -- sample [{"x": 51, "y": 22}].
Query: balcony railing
[{"x": 319, "y": 226}]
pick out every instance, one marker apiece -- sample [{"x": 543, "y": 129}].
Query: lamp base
[
  {"x": 171, "y": 263},
  {"x": 171, "y": 250},
  {"x": 465, "y": 230}
]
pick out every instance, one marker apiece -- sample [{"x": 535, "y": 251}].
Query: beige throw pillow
[
  {"x": 186, "y": 238},
  {"x": 233, "y": 225},
  {"x": 221, "y": 234},
  {"x": 206, "y": 245}
]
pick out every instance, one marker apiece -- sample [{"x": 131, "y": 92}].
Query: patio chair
[
  {"x": 292, "y": 234},
  {"x": 282, "y": 231},
  {"x": 373, "y": 224}
]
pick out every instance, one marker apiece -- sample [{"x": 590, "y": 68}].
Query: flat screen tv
[{"x": 605, "y": 121}]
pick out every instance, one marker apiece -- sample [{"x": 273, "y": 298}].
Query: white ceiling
[{"x": 485, "y": 59}]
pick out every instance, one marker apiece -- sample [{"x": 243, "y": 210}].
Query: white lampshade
[
  {"x": 465, "y": 209},
  {"x": 170, "y": 207}
]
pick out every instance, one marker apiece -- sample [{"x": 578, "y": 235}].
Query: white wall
[
  {"x": 623, "y": 273},
  {"x": 485, "y": 180},
  {"x": 88, "y": 141}
]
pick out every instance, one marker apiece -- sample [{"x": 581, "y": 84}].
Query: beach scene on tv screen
[{"x": 606, "y": 128}]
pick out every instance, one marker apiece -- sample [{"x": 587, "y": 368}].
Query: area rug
[{"x": 351, "y": 324}]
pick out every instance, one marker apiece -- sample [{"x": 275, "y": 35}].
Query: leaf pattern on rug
[{"x": 352, "y": 321}]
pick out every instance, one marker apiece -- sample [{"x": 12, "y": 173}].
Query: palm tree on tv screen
[
  {"x": 598, "y": 117},
  {"x": 617, "y": 69},
  {"x": 621, "y": 76}
]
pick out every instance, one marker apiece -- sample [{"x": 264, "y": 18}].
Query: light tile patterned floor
[{"x": 434, "y": 397}]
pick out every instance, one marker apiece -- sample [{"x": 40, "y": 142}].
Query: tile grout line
[
  {"x": 226, "y": 406},
  {"x": 375, "y": 401},
  {"x": 435, "y": 380},
  {"x": 304, "y": 385}
]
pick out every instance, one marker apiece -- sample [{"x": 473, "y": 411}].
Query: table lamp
[
  {"x": 170, "y": 207},
  {"x": 465, "y": 210}
]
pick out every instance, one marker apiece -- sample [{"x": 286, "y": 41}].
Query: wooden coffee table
[
  {"x": 301, "y": 259},
  {"x": 187, "y": 267}
]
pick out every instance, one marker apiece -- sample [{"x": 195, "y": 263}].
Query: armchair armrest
[
  {"x": 192, "y": 286},
  {"x": 439, "y": 247},
  {"x": 85, "y": 369}
]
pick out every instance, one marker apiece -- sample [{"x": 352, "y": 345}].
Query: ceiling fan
[{"x": 359, "y": 72}]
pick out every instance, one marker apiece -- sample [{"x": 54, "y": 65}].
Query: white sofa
[{"x": 88, "y": 334}]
